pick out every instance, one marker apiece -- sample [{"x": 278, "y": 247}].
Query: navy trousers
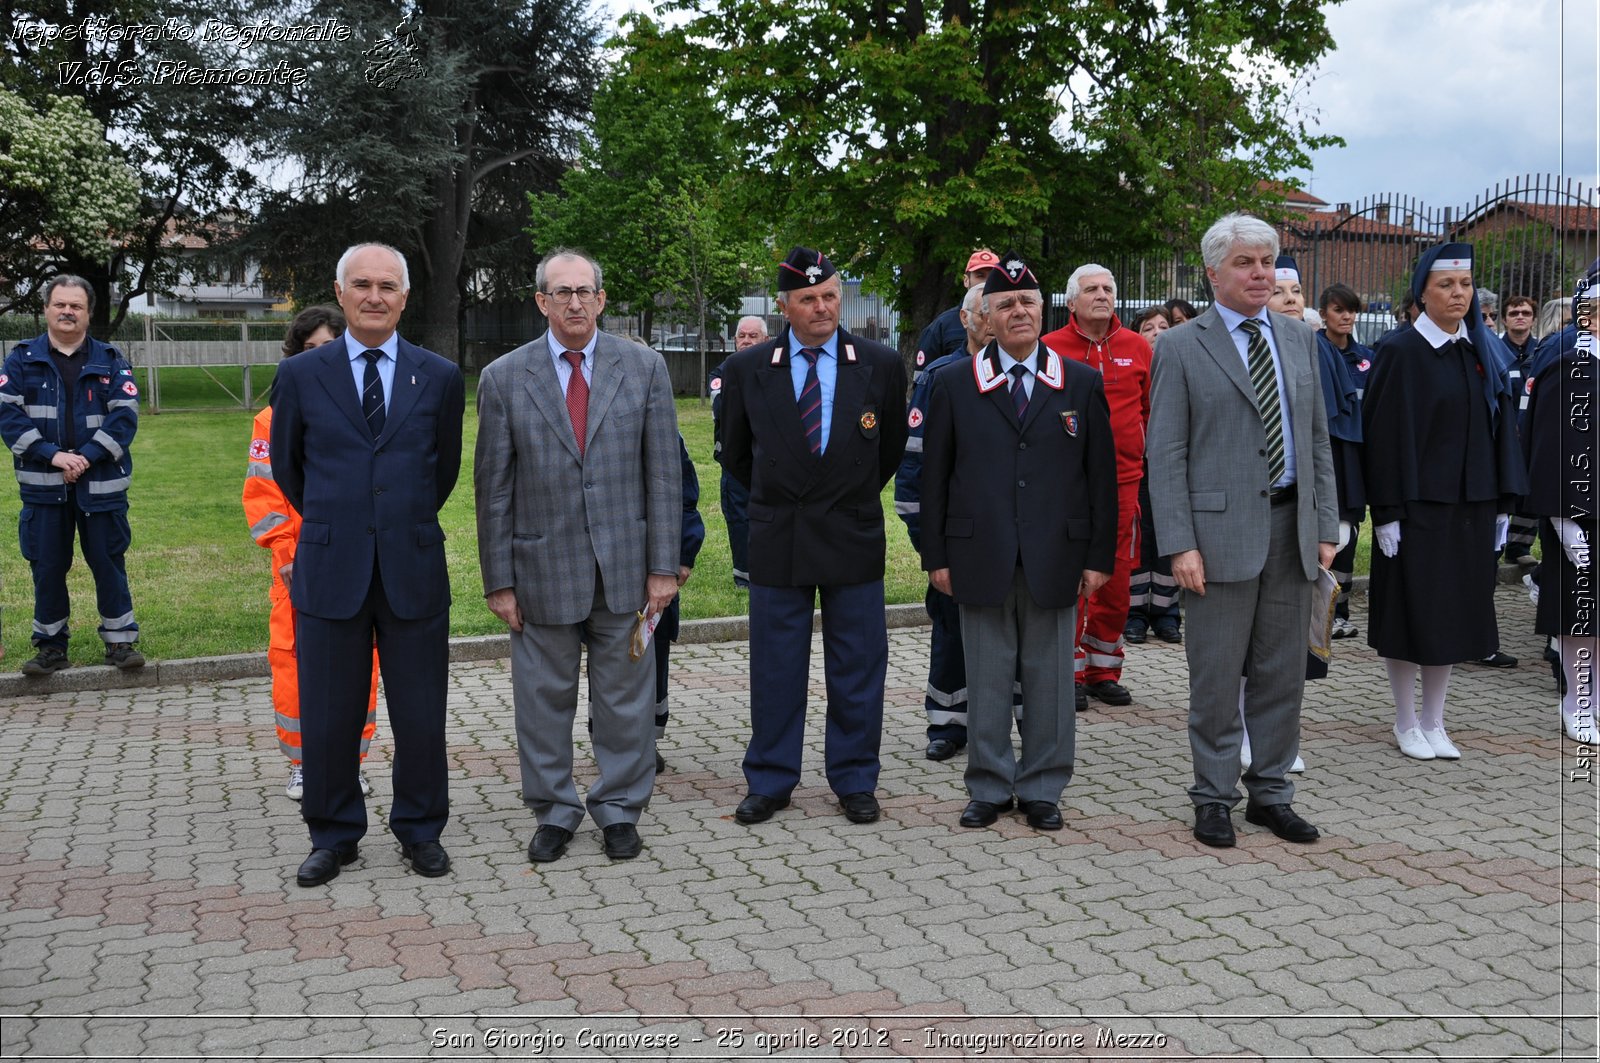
[
  {"x": 735, "y": 506},
  {"x": 45, "y": 535},
  {"x": 335, "y": 680},
  {"x": 855, "y": 648}
]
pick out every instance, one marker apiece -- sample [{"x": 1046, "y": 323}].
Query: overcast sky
[{"x": 1441, "y": 100}]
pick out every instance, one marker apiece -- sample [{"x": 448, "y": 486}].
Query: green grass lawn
[{"x": 200, "y": 583}]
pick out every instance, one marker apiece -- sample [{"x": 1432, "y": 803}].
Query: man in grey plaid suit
[{"x": 577, "y": 479}]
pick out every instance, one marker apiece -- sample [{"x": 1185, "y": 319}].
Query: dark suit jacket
[
  {"x": 814, "y": 521},
  {"x": 363, "y": 500},
  {"x": 996, "y": 491}
]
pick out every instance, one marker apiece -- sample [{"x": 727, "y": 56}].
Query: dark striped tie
[
  {"x": 1265, "y": 380},
  {"x": 1019, "y": 390},
  {"x": 811, "y": 400},
  {"x": 372, "y": 394}
]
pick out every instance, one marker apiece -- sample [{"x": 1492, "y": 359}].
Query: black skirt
[
  {"x": 1567, "y": 597},
  {"x": 1433, "y": 603}
]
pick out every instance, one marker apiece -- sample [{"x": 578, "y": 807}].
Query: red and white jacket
[{"x": 1123, "y": 360}]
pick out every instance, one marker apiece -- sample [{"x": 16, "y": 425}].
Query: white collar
[{"x": 1437, "y": 337}]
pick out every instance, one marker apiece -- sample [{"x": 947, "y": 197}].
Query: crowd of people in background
[{"x": 1188, "y": 475}]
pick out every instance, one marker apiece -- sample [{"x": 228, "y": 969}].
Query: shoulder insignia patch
[{"x": 260, "y": 450}]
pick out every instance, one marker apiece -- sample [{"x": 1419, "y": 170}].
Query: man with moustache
[
  {"x": 68, "y": 411},
  {"x": 814, "y": 425}
]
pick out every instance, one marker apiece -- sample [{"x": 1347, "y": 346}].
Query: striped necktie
[
  {"x": 1265, "y": 380},
  {"x": 811, "y": 400},
  {"x": 1019, "y": 390},
  {"x": 372, "y": 394}
]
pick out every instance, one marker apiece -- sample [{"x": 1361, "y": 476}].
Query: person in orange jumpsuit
[{"x": 276, "y": 526}]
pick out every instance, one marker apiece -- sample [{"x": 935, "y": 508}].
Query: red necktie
[{"x": 578, "y": 399}]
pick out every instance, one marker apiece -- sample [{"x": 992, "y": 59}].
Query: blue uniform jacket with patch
[{"x": 105, "y": 414}]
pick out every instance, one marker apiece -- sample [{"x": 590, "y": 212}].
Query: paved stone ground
[{"x": 147, "y": 903}]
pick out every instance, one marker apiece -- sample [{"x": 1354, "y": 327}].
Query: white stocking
[
  {"x": 1403, "y": 686},
  {"x": 1578, "y": 706},
  {"x": 1244, "y": 748},
  {"x": 1435, "y": 683}
]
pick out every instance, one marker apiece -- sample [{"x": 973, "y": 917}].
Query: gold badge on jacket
[
  {"x": 1069, "y": 423},
  {"x": 869, "y": 421}
]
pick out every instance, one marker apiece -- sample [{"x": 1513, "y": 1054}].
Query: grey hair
[
  {"x": 970, "y": 301},
  {"x": 343, "y": 268},
  {"x": 68, "y": 280},
  {"x": 1088, "y": 269},
  {"x": 1236, "y": 228},
  {"x": 566, "y": 252},
  {"x": 1488, "y": 300},
  {"x": 751, "y": 317}
]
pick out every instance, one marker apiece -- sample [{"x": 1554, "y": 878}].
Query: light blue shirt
[
  {"x": 1030, "y": 363},
  {"x": 827, "y": 376},
  {"x": 564, "y": 367},
  {"x": 358, "y": 364},
  {"x": 1241, "y": 341}
]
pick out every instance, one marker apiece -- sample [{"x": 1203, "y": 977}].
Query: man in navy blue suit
[{"x": 366, "y": 444}]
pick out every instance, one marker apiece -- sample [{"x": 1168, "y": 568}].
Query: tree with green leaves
[
  {"x": 131, "y": 63},
  {"x": 437, "y": 162},
  {"x": 653, "y": 195},
  {"x": 64, "y": 194},
  {"x": 900, "y": 136}
]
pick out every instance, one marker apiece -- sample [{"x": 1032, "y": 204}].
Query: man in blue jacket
[{"x": 68, "y": 410}]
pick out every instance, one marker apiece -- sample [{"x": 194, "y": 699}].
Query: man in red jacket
[{"x": 1095, "y": 337}]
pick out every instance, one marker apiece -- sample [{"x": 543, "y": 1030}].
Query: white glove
[
  {"x": 1388, "y": 536},
  {"x": 1533, "y": 588},
  {"x": 1345, "y": 531},
  {"x": 1502, "y": 527},
  {"x": 1573, "y": 541}
]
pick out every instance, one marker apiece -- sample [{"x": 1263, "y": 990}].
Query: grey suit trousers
[
  {"x": 1261, "y": 624},
  {"x": 1044, "y": 640},
  {"x": 622, "y": 706}
]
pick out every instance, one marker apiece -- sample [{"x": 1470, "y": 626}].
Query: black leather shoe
[
  {"x": 943, "y": 749},
  {"x": 1282, "y": 820},
  {"x": 1168, "y": 633},
  {"x": 323, "y": 866},
  {"x": 859, "y": 808},
  {"x": 428, "y": 859},
  {"x": 661, "y": 763},
  {"x": 1109, "y": 691},
  {"x": 1133, "y": 636},
  {"x": 758, "y": 808},
  {"x": 1212, "y": 825},
  {"x": 984, "y": 813},
  {"x": 548, "y": 843},
  {"x": 1042, "y": 815},
  {"x": 1497, "y": 660},
  {"x": 1081, "y": 700},
  {"x": 622, "y": 841}
]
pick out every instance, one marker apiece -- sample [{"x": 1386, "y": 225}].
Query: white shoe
[
  {"x": 1413, "y": 745},
  {"x": 1244, "y": 756},
  {"x": 295, "y": 788},
  {"x": 1297, "y": 767},
  {"x": 366, "y": 787},
  {"x": 1441, "y": 745},
  {"x": 1584, "y": 734}
]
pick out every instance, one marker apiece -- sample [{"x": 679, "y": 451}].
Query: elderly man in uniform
[
  {"x": 945, "y": 334},
  {"x": 1095, "y": 337},
  {"x": 814, "y": 423},
  {"x": 1241, "y": 480},
  {"x": 750, "y": 331},
  {"x": 1019, "y": 508}
]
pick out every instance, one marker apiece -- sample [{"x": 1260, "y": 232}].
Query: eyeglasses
[
  {"x": 1519, "y": 313},
  {"x": 1490, "y": 315},
  {"x": 563, "y": 296}
]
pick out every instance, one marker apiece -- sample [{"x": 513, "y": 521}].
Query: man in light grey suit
[
  {"x": 577, "y": 479},
  {"x": 1241, "y": 483}
]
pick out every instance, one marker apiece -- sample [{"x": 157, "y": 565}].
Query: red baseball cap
[{"x": 982, "y": 259}]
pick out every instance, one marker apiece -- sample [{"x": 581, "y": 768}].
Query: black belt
[{"x": 1279, "y": 495}]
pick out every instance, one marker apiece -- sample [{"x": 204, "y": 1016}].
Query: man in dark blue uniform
[
  {"x": 814, "y": 424},
  {"x": 945, "y": 335},
  {"x": 68, "y": 411}
]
